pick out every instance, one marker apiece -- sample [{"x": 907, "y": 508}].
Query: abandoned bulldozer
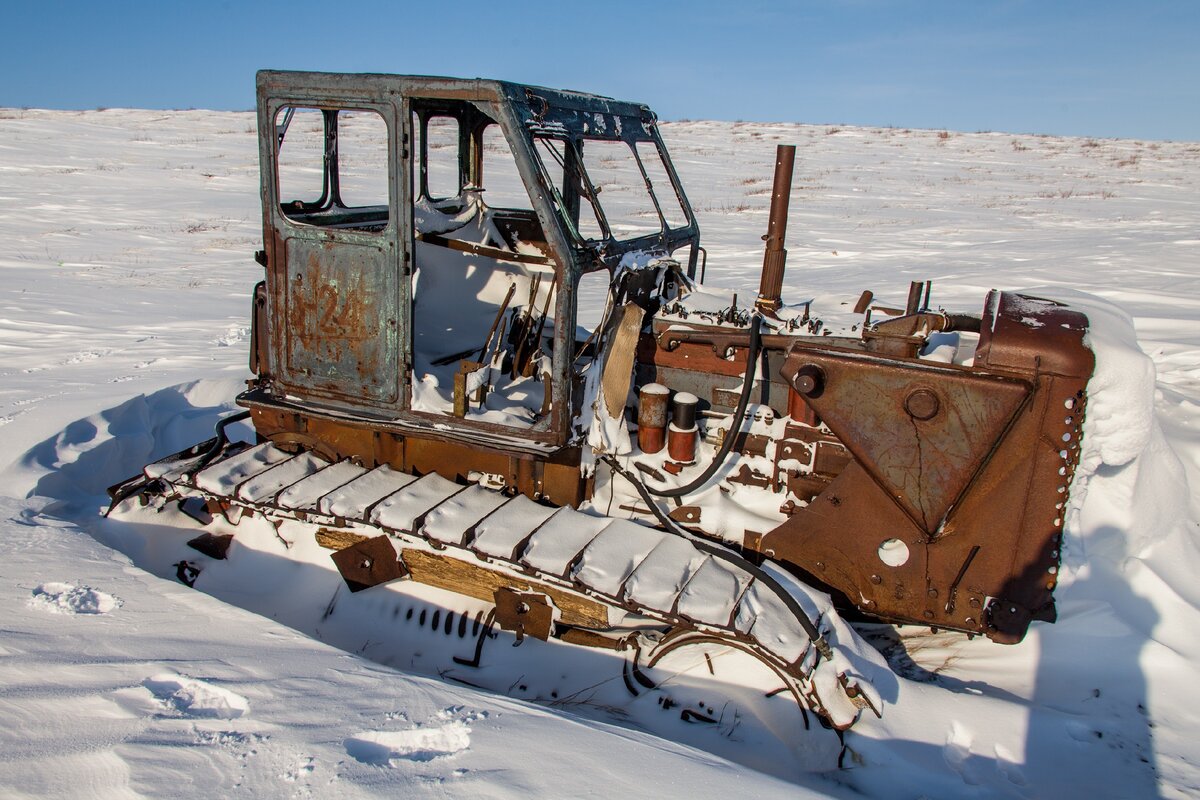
[{"x": 488, "y": 377}]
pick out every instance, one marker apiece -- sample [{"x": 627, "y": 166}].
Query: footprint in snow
[
  {"x": 234, "y": 335},
  {"x": 416, "y": 744},
  {"x": 302, "y": 769},
  {"x": 67, "y": 598},
  {"x": 86, "y": 355},
  {"x": 957, "y": 752},
  {"x": 194, "y": 698},
  {"x": 1007, "y": 766}
]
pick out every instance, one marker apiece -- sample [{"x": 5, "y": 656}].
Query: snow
[
  {"x": 566, "y": 535},
  {"x": 713, "y": 591},
  {"x": 500, "y": 533},
  {"x": 449, "y": 521},
  {"x": 417, "y": 744},
  {"x": 400, "y": 510},
  {"x": 125, "y": 244},
  {"x": 193, "y": 698},
  {"x": 66, "y": 598},
  {"x": 613, "y": 554},
  {"x": 306, "y": 493},
  {"x": 254, "y": 462},
  {"x": 81, "y": 718},
  {"x": 352, "y": 499}
]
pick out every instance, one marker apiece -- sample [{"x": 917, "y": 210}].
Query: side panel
[{"x": 341, "y": 320}]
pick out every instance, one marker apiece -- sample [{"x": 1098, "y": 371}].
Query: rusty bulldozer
[{"x": 439, "y": 414}]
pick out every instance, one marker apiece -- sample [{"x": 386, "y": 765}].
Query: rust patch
[{"x": 368, "y": 563}]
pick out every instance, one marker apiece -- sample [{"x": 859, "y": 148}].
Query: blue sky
[{"x": 1099, "y": 68}]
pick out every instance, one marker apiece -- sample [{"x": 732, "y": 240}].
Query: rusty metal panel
[
  {"x": 989, "y": 563},
  {"x": 336, "y": 329},
  {"x": 923, "y": 432},
  {"x": 212, "y": 545},
  {"x": 1021, "y": 332},
  {"x": 552, "y": 475},
  {"x": 524, "y": 613},
  {"x": 341, "y": 335},
  {"x": 368, "y": 563}
]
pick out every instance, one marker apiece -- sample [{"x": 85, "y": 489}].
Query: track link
[{"x": 609, "y": 582}]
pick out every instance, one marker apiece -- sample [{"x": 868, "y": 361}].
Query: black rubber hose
[
  {"x": 734, "y": 425},
  {"x": 132, "y": 487},
  {"x": 220, "y": 440},
  {"x": 723, "y": 554}
]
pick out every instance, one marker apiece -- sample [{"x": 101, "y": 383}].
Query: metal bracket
[
  {"x": 525, "y": 613},
  {"x": 369, "y": 563}
]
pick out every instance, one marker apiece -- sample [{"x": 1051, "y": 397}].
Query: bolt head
[
  {"x": 922, "y": 404},
  {"x": 809, "y": 380}
]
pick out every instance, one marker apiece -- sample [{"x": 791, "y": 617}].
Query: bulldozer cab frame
[{"x": 400, "y": 264}]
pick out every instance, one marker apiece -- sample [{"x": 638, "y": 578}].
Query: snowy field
[{"x": 125, "y": 247}]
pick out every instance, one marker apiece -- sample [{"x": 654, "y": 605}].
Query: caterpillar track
[{"x": 550, "y": 572}]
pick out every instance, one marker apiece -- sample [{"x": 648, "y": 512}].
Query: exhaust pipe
[{"x": 771, "y": 287}]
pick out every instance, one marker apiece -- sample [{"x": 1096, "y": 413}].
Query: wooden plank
[
  {"x": 477, "y": 581},
  {"x": 618, "y": 367},
  {"x": 335, "y": 539}
]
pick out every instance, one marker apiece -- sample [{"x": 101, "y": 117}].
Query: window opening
[
  {"x": 620, "y": 185},
  {"x": 502, "y": 184},
  {"x": 300, "y": 168},
  {"x": 484, "y": 290},
  {"x": 442, "y": 158},
  {"x": 573, "y": 195},
  {"x": 362, "y": 159},
  {"x": 332, "y": 167},
  {"x": 660, "y": 184}
]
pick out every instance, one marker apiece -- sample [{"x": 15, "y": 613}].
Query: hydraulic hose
[
  {"x": 220, "y": 440},
  {"x": 122, "y": 492},
  {"x": 726, "y": 445}
]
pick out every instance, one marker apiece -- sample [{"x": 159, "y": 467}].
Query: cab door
[{"x": 335, "y": 287}]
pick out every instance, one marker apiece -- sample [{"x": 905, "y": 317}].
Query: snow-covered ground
[{"x": 125, "y": 247}]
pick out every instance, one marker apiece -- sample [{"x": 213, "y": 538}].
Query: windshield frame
[{"x": 568, "y": 183}]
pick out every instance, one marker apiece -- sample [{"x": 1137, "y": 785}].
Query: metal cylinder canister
[
  {"x": 681, "y": 435},
  {"x": 652, "y": 417}
]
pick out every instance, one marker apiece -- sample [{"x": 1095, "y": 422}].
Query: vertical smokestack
[{"x": 771, "y": 287}]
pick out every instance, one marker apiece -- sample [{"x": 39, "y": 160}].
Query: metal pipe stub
[
  {"x": 652, "y": 417},
  {"x": 681, "y": 435}
]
